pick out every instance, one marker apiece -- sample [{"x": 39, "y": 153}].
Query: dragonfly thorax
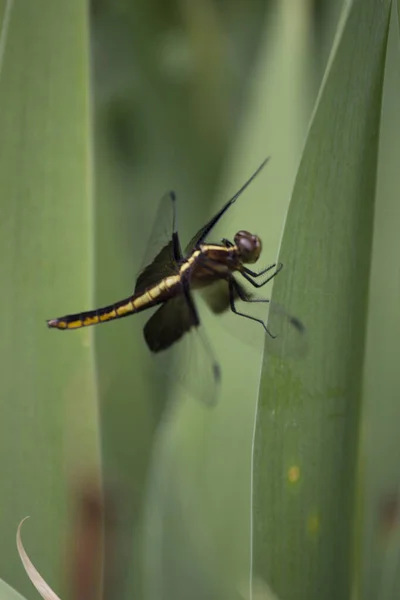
[{"x": 248, "y": 245}]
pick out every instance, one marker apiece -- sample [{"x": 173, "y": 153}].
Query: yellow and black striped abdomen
[{"x": 167, "y": 288}]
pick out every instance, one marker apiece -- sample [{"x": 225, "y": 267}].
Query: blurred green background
[{"x": 289, "y": 487}]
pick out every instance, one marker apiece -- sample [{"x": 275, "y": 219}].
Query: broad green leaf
[
  {"x": 380, "y": 543},
  {"x": 48, "y": 418},
  {"x": 309, "y": 409}
]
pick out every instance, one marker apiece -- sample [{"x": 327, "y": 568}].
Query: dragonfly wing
[
  {"x": 204, "y": 231},
  {"x": 217, "y": 296},
  {"x": 169, "y": 323},
  {"x": 291, "y": 335},
  {"x": 189, "y": 361},
  {"x": 164, "y": 264},
  {"x": 157, "y": 263}
]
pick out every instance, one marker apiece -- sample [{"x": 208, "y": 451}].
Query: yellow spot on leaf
[
  {"x": 313, "y": 524},
  {"x": 294, "y": 474}
]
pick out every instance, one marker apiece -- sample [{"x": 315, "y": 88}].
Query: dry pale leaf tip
[{"x": 42, "y": 587}]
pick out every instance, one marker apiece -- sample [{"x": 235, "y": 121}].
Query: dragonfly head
[{"x": 248, "y": 245}]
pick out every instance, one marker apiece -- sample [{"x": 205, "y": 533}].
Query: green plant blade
[
  {"x": 8, "y": 593},
  {"x": 46, "y": 383},
  {"x": 380, "y": 543},
  {"x": 309, "y": 410}
]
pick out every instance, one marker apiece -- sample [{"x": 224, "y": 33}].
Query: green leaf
[
  {"x": 380, "y": 542},
  {"x": 47, "y": 418},
  {"x": 309, "y": 409},
  {"x": 8, "y": 593}
]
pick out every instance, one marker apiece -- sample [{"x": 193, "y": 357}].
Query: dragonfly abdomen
[{"x": 134, "y": 304}]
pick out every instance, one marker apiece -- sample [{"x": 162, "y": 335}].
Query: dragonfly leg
[
  {"x": 259, "y": 273},
  {"x": 232, "y": 289},
  {"x": 248, "y": 275},
  {"x": 227, "y": 243}
]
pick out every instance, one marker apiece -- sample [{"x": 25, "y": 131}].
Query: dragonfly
[{"x": 168, "y": 281}]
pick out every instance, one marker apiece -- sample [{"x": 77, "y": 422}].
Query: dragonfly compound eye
[{"x": 249, "y": 246}]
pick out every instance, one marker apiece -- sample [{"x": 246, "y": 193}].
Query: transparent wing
[
  {"x": 163, "y": 250},
  {"x": 181, "y": 348},
  {"x": 288, "y": 334},
  {"x": 202, "y": 234}
]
